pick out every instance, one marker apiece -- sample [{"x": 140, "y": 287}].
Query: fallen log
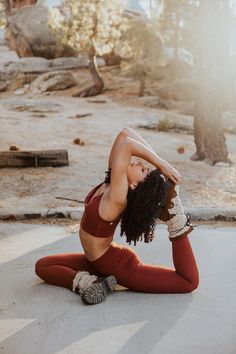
[{"x": 36, "y": 159}]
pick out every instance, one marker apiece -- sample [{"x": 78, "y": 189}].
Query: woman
[{"x": 138, "y": 197}]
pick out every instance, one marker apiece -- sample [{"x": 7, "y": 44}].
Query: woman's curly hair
[{"x": 144, "y": 205}]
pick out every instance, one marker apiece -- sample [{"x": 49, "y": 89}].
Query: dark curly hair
[{"x": 144, "y": 205}]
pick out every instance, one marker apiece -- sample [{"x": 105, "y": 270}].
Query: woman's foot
[
  {"x": 92, "y": 289},
  {"x": 98, "y": 290},
  {"x": 173, "y": 214}
]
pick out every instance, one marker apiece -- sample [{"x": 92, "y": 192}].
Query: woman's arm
[
  {"x": 166, "y": 168},
  {"x": 125, "y": 132},
  {"x": 143, "y": 151},
  {"x": 132, "y": 134},
  {"x": 121, "y": 161}
]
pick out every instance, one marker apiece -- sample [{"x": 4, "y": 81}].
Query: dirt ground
[{"x": 24, "y": 189}]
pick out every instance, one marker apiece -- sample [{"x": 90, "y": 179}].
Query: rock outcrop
[
  {"x": 29, "y": 34},
  {"x": 16, "y": 74},
  {"x": 53, "y": 81}
]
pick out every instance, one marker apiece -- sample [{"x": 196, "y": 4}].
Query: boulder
[
  {"x": 41, "y": 65},
  {"x": 29, "y": 34},
  {"x": 16, "y": 74},
  {"x": 14, "y": 80},
  {"x": 53, "y": 81}
]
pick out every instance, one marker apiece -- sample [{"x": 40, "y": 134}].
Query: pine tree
[
  {"x": 93, "y": 27},
  {"x": 144, "y": 51},
  {"x": 5, "y": 10},
  {"x": 174, "y": 19}
]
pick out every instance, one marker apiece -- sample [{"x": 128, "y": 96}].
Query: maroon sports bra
[{"x": 92, "y": 222}]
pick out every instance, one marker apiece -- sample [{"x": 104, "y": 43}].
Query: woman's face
[{"x": 136, "y": 172}]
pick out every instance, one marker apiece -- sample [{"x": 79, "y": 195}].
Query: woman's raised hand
[{"x": 170, "y": 172}]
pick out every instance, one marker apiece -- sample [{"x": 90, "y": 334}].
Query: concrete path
[{"x": 38, "y": 318}]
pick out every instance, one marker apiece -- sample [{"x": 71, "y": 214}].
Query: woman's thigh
[
  {"x": 135, "y": 275},
  {"x": 74, "y": 261}
]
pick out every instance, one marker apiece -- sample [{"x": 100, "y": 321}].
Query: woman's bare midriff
[{"x": 94, "y": 247}]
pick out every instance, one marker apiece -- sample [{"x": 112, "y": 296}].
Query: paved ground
[{"x": 37, "y": 318}]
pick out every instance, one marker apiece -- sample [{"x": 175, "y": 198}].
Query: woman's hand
[{"x": 170, "y": 172}]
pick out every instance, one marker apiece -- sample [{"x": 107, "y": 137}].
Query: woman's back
[{"x": 96, "y": 233}]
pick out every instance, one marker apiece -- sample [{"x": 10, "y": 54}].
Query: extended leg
[{"x": 157, "y": 279}]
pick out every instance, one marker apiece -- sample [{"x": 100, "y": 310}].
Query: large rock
[
  {"x": 41, "y": 65},
  {"x": 10, "y": 81},
  {"x": 52, "y": 81},
  {"x": 29, "y": 35},
  {"x": 16, "y": 74}
]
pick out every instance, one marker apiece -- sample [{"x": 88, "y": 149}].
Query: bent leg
[
  {"x": 157, "y": 279},
  {"x": 131, "y": 273},
  {"x": 60, "y": 269}
]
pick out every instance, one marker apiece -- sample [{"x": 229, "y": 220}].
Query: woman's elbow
[{"x": 125, "y": 131}]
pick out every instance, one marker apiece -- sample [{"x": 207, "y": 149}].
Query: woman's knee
[
  {"x": 40, "y": 264},
  {"x": 193, "y": 284}
]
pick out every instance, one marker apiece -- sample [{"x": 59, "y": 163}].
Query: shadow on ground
[{"x": 40, "y": 318}]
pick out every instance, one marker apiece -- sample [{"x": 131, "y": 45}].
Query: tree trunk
[
  {"x": 7, "y": 5},
  {"x": 176, "y": 41},
  {"x": 208, "y": 130},
  {"x": 97, "y": 78},
  {"x": 142, "y": 87}
]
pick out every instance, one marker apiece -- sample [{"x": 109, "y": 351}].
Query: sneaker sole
[{"x": 98, "y": 291}]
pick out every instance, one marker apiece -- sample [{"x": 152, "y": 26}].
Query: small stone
[
  {"x": 181, "y": 150},
  {"x": 20, "y": 91},
  {"x": 77, "y": 141},
  {"x": 14, "y": 148}
]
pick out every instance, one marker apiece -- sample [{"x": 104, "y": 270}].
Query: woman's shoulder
[{"x": 92, "y": 192}]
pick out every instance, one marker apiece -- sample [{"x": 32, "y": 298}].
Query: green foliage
[
  {"x": 2, "y": 15},
  {"x": 165, "y": 124},
  {"x": 175, "y": 21},
  {"x": 143, "y": 50},
  {"x": 89, "y": 24},
  {"x": 2, "y": 23}
]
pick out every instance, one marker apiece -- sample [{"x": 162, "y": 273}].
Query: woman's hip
[{"x": 115, "y": 260}]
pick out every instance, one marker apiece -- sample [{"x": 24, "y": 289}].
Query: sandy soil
[{"x": 27, "y": 189}]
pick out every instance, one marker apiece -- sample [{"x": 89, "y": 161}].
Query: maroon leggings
[{"x": 125, "y": 265}]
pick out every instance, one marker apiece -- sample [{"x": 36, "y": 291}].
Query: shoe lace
[{"x": 188, "y": 223}]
